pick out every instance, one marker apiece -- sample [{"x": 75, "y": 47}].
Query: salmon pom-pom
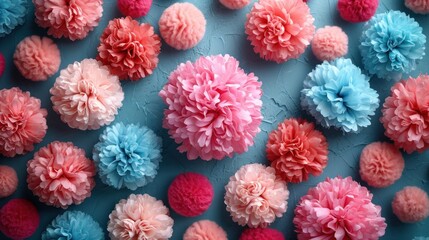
[{"x": 411, "y": 204}]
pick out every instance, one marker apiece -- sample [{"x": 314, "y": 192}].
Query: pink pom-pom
[
  {"x": 182, "y": 26},
  {"x": 37, "y": 58},
  {"x": 280, "y": 30},
  {"x": 296, "y": 150},
  {"x": 129, "y": 49},
  {"x": 261, "y": 234},
  {"x": 255, "y": 196},
  {"x": 357, "y": 10},
  {"x": 86, "y": 95},
  {"x": 234, "y": 4},
  {"x": 381, "y": 164},
  {"x": 140, "y": 217},
  {"x": 61, "y": 175},
  {"x": 19, "y": 219},
  {"x": 2, "y": 64},
  {"x": 205, "y": 230},
  {"x": 22, "y": 122},
  {"x": 134, "y": 8},
  {"x": 411, "y": 204},
  {"x": 329, "y": 43},
  {"x": 72, "y": 19},
  {"x": 8, "y": 181},
  {"x": 418, "y": 6}
]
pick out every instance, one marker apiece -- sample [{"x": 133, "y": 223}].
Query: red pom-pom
[
  {"x": 2, "y": 64},
  {"x": 19, "y": 219},
  {"x": 190, "y": 194},
  {"x": 134, "y": 8},
  {"x": 357, "y": 10},
  {"x": 261, "y": 234}
]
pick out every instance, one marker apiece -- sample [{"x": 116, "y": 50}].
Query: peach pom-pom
[
  {"x": 19, "y": 219},
  {"x": 418, "y": 6},
  {"x": 22, "y": 122},
  {"x": 381, "y": 164},
  {"x": 129, "y": 49},
  {"x": 357, "y": 10},
  {"x": 329, "y": 43},
  {"x": 37, "y": 58},
  {"x": 234, "y": 4},
  {"x": 61, "y": 175},
  {"x": 2, "y": 64},
  {"x": 261, "y": 234},
  {"x": 8, "y": 181},
  {"x": 134, "y": 8},
  {"x": 205, "y": 230},
  {"x": 411, "y": 204},
  {"x": 182, "y": 26}
]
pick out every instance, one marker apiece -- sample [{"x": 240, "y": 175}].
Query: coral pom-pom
[
  {"x": 418, "y": 6},
  {"x": 134, "y": 8},
  {"x": 19, "y": 219},
  {"x": 411, "y": 204},
  {"x": 234, "y": 4},
  {"x": 205, "y": 230},
  {"x": 8, "y": 181},
  {"x": 2, "y": 64},
  {"x": 329, "y": 43},
  {"x": 261, "y": 234},
  {"x": 12, "y": 14},
  {"x": 357, "y": 10}
]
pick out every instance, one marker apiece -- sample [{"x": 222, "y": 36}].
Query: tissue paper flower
[
  {"x": 12, "y": 14},
  {"x": 357, "y": 10},
  {"x": 134, "y": 8},
  {"x": 418, "y": 6},
  {"x": 8, "y": 181},
  {"x": 19, "y": 219},
  {"x": 234, "y": 4},
  {"x": 261, "y": 234},
  {"x": 338, "y": 95},
  {"x": 329, "y": 43},
  {"x": 205, "y": 230},
  {"x": 411, "y": 205}
]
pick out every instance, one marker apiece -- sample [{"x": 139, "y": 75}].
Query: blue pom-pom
[
  {"x": 391, "y": 45},
  {"x": 337, "y": 94},
  {"x": 12, "y": 13},
  {"x": 73, "y": 225},
  {"x": 127, "y": 156}
]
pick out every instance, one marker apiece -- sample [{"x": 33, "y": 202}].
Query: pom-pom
[
  {"x": 357, "y": 10},
  {"x": 381, "y": 164},
  {"x": 67, "y": 178},
  {"x": 255, "y": 196},
  {"x": 127, "y": 156},
  {"x": 234, "y": 4},
  {"x": 72, "y": 19},
  {"x": 338, "y": 209},
  {"x": 418, "y": 6},
  {"x": 392, "y": 43},
  {"x": 279, "y": 30},
  {"x": 86, "y": 95},
  {"x": 214, "y": 107},
  {"x": 296, "y": 150},
  {"x": 8, "y": 181},
  {"x": 37, "y": 58},
  {"x": 411, "y": 204},
  {"x": 205, "y": 230},
  {"x": 134, "y": 8},
  {"x": 2, "y": 64},
  {"x": 140, "y": 217},
  {"x": 19, "y": 219},
  {"x": 22, "y": 122},
  {"x": 129, "y": 49},
  {"x": 190, "y": 194},
  {"x": 329, "y": 43},
  {"x": 73, "y": 225},
  {"x": 12, "y": 14},
  {"x": 261, "y": 234},
  {"x": 338, "y": 95}
]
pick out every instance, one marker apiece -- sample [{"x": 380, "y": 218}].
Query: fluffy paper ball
[
  {"x": 86, "y": 95},
  {"x": 255, "y": 196},
  {"x": 392, "y": 43},
  {"x": 279, "y": 30},
  {"x": 296, "y": 150},
  {"x": 19, "y": 219},
  {"x": 329, "y": 43},
  {"x": 2, "y": 64},
  {"x": 22, "y": 122},
  {"x": 205, "y": 230},
  {"x": 127, "y": 156},
  {"x": 357, "y": 10},
  {"x": 60, "y": 174},
  {"x": 12, "y": 14},
  {"x": 72, "y": 19},
  {"x": 381, "y": 164},
  {"x": 37, "y": 58},
  {"x": 411, "y": 204},
  {"x": 338, "y": 208},
  {"x": 190, "y": 194},
  {"x": 338, "y": 95},
  {"x": 261, "y": 234},
  {"x": 134, "y": 8},
  {"x": 234, "y": 4},
  {"x": 214, "y": 107},
  {"x": 8, "y": 181},
  {"x": 129, "y": 49},
  {"x": 418, "y": 6},
  {"x": 140, "y": 217}
]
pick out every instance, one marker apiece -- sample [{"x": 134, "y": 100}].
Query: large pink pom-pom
[
  {"x": 280, "y": 30},
  {"x": 72, "y": 19},
  {"x": 8, "y": 181},
  {"x": 329, "y": 43},
  {"x": 205, "y": 230},
  {"x": 338, "y": 208},
  {"x": 255, "y": 196},
  {"x": 418, "y": 6},
  {"x": 357, "y": 10},
  {"x": 214, "y": 107},
  {"x": 2, "y": 64},
  {"x": 234, "y": 4},
  {"x": 140, "y": 217},
  {"x": 61, "y": 175},
  {"x": 19, "y": 219},
  {"x": 296, "y": 150},
  {"x": 411, "y": 204},
  {"x": 134, "y": 8},
  {"x": 261, "y": 234},
  {"x": 129, "y": 49},
  {"x": 22, "y": 122},
  {"x": 37, "y": 58},
  {"x": 86, "y": 95}
]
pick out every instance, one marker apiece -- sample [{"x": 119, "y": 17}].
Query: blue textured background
[{"x": 281, "y": 85}]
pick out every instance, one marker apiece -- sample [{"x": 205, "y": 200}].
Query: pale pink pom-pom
[
  {"x": 255, "y": 196},
  {"x": 234, "y": 4},
  {"x": 338, "y": 208},
  {"x": 22, "y": 122},
  {"x": 134, "y": 8},
  {"x": 418, "y": 6},
  {"x": 60, "y": 175},
  {"x": 140, "y": 217},
  {"x": 86, "y": 95},
  {"x": 214, "y": 107},
  {"x": 329, "y": 43},
  {"x": 72, "y": 19},
  {"x": 8, "y": 181},
  {"x": 279, "y": 30},
  {"x": 411, "y": 204},
  {"x": 205, "y": 230}
]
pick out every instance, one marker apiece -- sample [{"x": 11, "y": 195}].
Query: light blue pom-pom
[
  {"x": 338, "y": 95},
  {"x": 12, "y": 13},
  {"x": 73, "y": 225},
  {"x": 127, "y": 156},
  {"x": 391, "y": 45}
]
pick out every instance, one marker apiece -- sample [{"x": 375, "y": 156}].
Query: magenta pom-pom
[
  {"x": 357, "y": 10},
  {"x": 205, "y": 230},
  {"x": 2, "y": 64},
  {"x": 411, "y": 204},
  {"x": 418, "y": 6},
  {"x": 134, "y": 8},
  {"x": 261, "y": 234},
  {"x": 19, "y": 219},
  {"x": 234, "y": 4},
  {"x": 329, "y": 43},
  {"x": 8, "y": 181}
]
